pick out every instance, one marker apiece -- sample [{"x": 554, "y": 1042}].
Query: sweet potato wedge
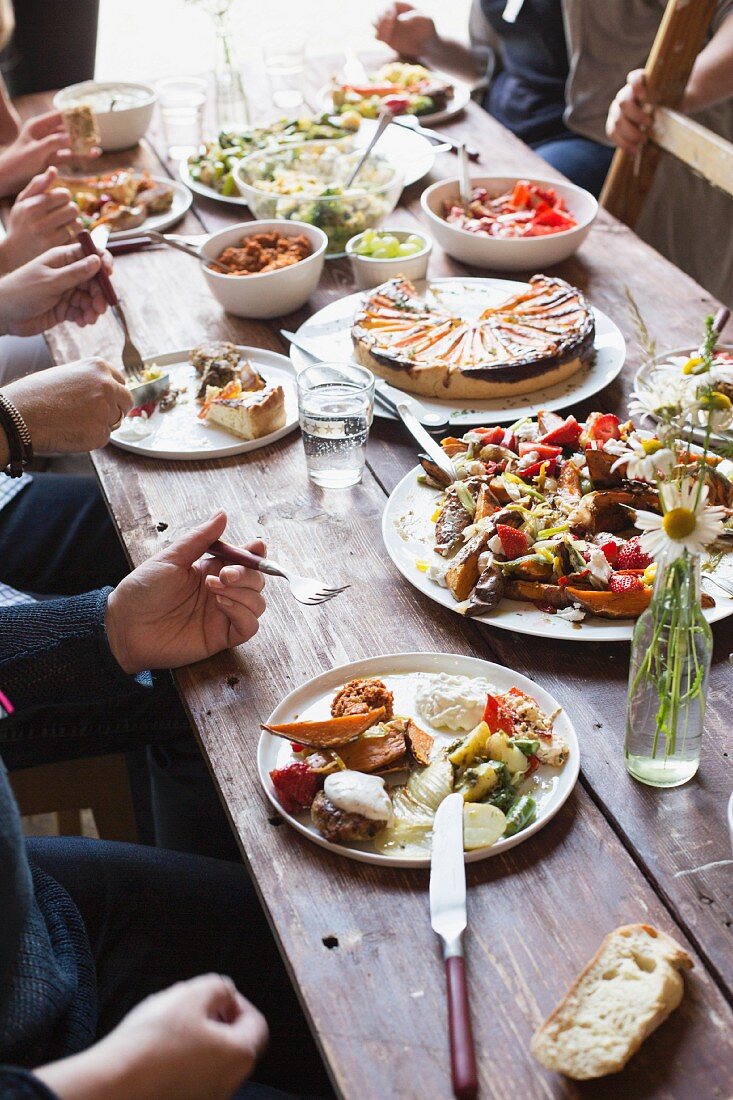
[
  {"x": 599, "y": 465},
  {"x": 533, "y": 571},
  {"x": 464, "y": 572},
  {"x": 612, "y": 605},
  {"x": 372, "y": 754},
  {"x": 608, "y": 510},
  {"x": 536, "y": 592},
  {"x": 419, "y": 743},
  {"x": 328, "y": 733},
  {"x": 486, "y": 504}
]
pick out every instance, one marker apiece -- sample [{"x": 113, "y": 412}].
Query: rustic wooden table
[{"x": 357, "y": 939}]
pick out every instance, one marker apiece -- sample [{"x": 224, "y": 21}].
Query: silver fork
[
  {"x": 132, "y": 360},
  {"x": 304, "y": 589}
]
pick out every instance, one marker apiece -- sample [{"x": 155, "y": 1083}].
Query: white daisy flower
[
  {"x": 684, "y": 526},
  {"x": 715, "y": 409},
  {"x": 646, "y": 458}
]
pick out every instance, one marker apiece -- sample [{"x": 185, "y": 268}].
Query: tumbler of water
[
  {"x": 182, "y": 101},
  {"x": 335, "y": 404},
  {"x": 284, "y": 59}
]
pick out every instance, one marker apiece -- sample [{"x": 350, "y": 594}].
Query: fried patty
[{"x": 361, "y": 696}]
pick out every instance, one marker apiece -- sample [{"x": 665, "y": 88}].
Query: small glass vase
[
  {"x": 232, "y": 109},
  {"x": 671, "y": 652}
]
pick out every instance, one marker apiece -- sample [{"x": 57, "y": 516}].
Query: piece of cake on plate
[{"x": 249, "y": 414}]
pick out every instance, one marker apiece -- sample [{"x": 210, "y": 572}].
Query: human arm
[
  {"x": 9, "y": 117},
  {"x": 41, "y": 141},
  {"x": 630, "y": 116},
  {"x": 172, "y": 610},
  {"x": 197, "y": 1040},
  {"x": 68, "y": 409},
  {"x": 42, "y": 217},
  {"x": 60, "y": 285},
  {"x": 412, "y": 33}
]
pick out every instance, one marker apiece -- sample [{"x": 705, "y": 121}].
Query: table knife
[
  {"x": 449, "y": 920},
  {"x": 432, "y": 449},
  {"x": 390, "y": 395}
]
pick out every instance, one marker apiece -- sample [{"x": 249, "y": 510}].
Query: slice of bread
[{"x": 627, "y": 990}]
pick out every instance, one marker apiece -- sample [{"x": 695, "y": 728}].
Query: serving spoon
[{"x": 385, "y": 117}]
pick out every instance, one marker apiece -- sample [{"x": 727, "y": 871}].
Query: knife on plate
[
  {"x": 449, "y": 920},
  {"x": 432, "y": 449}
]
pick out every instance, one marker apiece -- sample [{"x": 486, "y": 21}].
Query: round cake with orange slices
[{"x": 537, "y": 337}]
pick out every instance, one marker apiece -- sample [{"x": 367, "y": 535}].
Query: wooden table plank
[{"x": 536, "y": 913}]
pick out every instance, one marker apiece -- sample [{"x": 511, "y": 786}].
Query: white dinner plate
[
  {"x": 652, "y": 378},
  {"x": 408, "y": 534},
  {"x": 399, "y": 672},
  {"x": 329, "y": 330},
  {"x": 182, "y": 199},
  {"x": 412, "y": 152},
  {"x": 459, "y": 102},
  {"x": 179, "y": 434}
]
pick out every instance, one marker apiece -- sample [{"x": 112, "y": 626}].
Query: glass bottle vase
[
  {"x": 232, "y": 109},
  {"x": 671, "y": 652}
]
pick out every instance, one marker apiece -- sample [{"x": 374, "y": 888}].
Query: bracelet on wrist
[{"x": 18, "y": 437}]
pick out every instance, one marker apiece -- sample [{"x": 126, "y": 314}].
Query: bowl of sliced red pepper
[{"x": 510, "y": 224}]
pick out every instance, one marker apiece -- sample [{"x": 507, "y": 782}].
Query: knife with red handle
[{"x": 449, "y": 919}]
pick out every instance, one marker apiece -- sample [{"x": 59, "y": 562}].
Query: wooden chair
[
  {"x": 98, "y": 783},
  {"x": 680, "y": 38}
]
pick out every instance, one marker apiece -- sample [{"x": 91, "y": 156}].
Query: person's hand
[
  {"x": 73, "y": 407},
  {"x": 405, "y": 30},
  {"x": 42, "y": 217},
  {"x": 58, "y": 286},
  {"x": 42, "y": 141},
  {"x": 175, "y": 609},
  {"x": 197, "y": 1040},
  {"x": 631, "y": 114}
]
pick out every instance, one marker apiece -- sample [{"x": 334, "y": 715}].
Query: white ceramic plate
[
  {"x": 329, "y": 331},
  {"x": 408, "y": 533},
  {"x": 461, "y": 99},
  {"x": 413, "y": 152},
  {"x": 179, "y": 434},
  {"x": 399, "y": 672},
  {"x": 651, "y": 377},
  {"x": 182, "y": 199}
]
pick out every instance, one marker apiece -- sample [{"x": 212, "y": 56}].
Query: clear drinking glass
[
  {"x": 182, "y": 103},
  {"x": 284, "y": 59},
  {"x": 335, "y": 403}
]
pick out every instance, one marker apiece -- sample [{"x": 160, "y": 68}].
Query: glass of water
[
  {"x": 335, "y": 404},
  {"x": 182, "y": 103},
  {"x": 284, "y": 59}
]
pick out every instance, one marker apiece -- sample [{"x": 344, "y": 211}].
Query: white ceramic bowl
[
  {"x": 508, "y": 253},
  {"x": 122, "y": 127},
  {"x": 369, "y": 271},
  {"x": 269, "y": 293}
]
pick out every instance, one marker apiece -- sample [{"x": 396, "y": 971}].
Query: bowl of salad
[
  {"x": 510, "y": 224},
  {"x": 211, "y": 166},
  {"x": 307, "y": 183}
]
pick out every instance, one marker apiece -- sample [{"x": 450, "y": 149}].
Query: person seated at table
[
  {"x": 553, "y": 67},
  {"x": 91, "y": 928},
  {"x": 683, "y": 214},
  {"x": 56, "y": 538}
]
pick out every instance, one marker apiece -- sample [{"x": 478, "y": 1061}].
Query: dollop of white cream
[
  {"x": 357, "y": 793},
  {"x": 134, "y": 427},
  {"x": 452, "y": 702},
  {"x": 599, "y": 567},
  {"x": 437, "y": 573}
]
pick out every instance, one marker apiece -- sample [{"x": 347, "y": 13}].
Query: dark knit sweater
[{"x": 50, "y": 652}]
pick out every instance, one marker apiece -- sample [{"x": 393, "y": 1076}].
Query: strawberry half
[
  {"x": 625, "y": 582},
  {"x": 296, "y": 786},
  {"x": 513, "y": 543},
  {"x": 631, "y": 555}
]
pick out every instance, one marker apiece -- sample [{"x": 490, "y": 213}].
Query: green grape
[{"x": 407, "y": 249}]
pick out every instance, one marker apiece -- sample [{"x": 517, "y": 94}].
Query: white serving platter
[
  {"x": 329, "y": 331},
  {"x": 407, "y": 531}
]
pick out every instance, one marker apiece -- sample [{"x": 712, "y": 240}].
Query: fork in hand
[
  {"x": 304, "y": 589},
  {"x": 131, "y": 358}
]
